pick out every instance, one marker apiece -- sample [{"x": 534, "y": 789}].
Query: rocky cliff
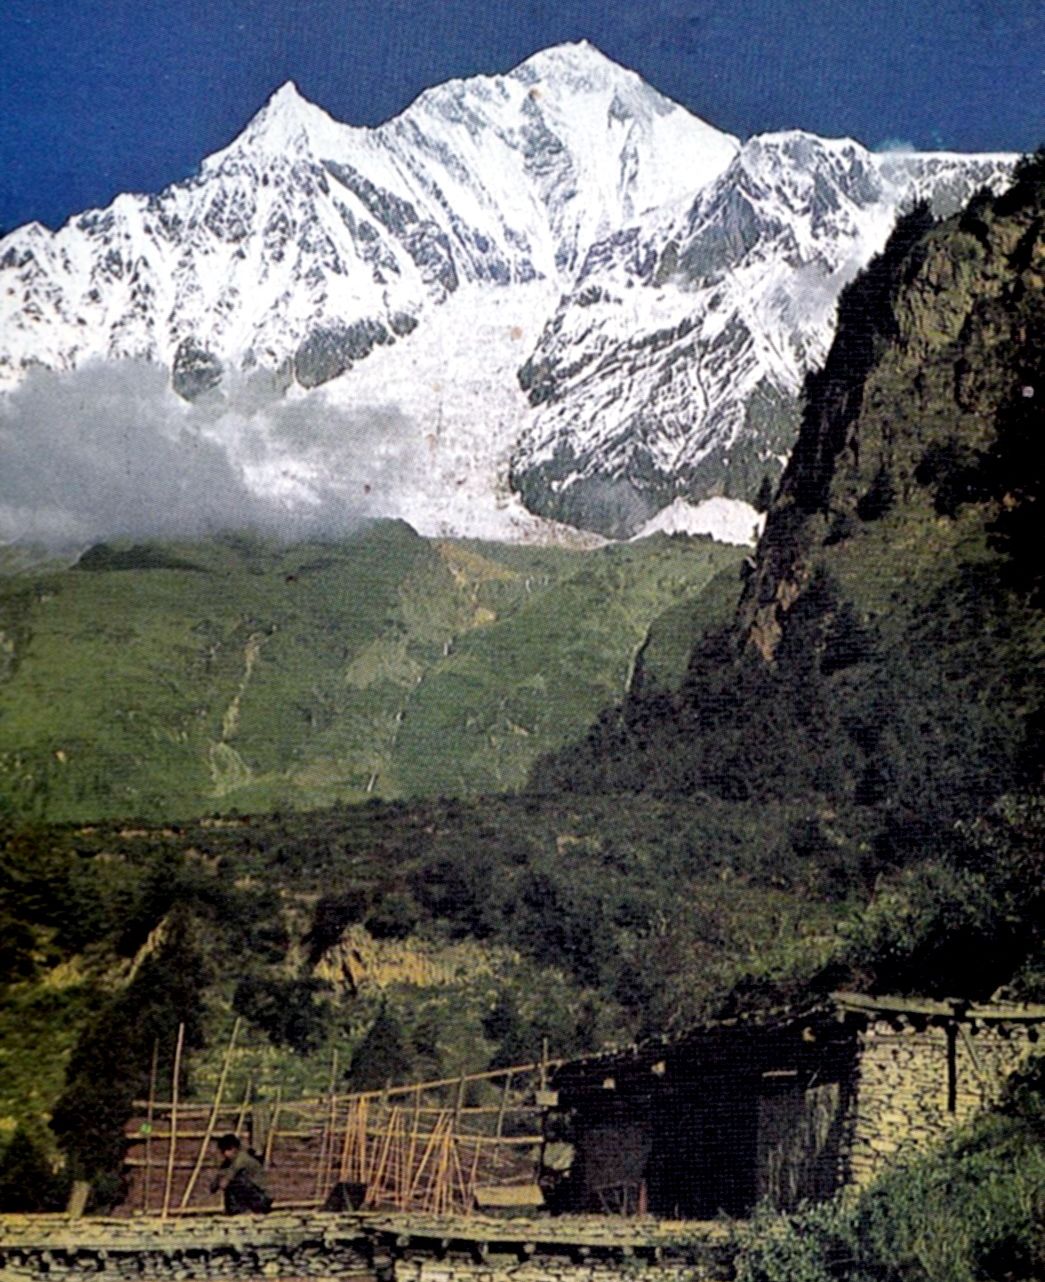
[
  {"x": 886, "y": 651},
  {"x": 927, "y": 403}
]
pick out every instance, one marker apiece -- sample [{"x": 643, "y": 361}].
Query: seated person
[{"x": 243, "y": 1177}]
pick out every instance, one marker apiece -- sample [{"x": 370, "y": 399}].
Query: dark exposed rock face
[
  {"x": 195, "y": 370},
  {"x": 329, "y": 351}
]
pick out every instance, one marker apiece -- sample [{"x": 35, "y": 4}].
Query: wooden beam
[{"x": 954, "y": 1009}]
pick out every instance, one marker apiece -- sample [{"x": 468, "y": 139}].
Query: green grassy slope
[{"x": 234, "y": 674}]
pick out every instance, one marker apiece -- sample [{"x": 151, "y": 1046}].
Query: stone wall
[
  {"x": 915, "y": 1082},
  {"x": 545, "y": 1269},
  {"x": 359, "y": 1247},
  {"x": 279, "y": 1246}
]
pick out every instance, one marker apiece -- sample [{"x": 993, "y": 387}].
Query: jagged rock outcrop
[
  {"x": 885, "y": 652},
  {"x": 924, "y": 400}
]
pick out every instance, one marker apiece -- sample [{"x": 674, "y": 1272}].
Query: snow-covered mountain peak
[
  {"x": 288, "y": 102},
  {"x": 578, "y": 65},
  {"x": 555, "y": 280},
  {"x": 288, "y": 124}
]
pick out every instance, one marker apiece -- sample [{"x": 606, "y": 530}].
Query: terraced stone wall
[
  {"x": 283, "y": 1247},
  {"x": 365, "y": 1247},
  {"x": 550, "y": 1270}
]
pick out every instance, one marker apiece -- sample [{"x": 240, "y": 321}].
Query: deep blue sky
[{"x": 103, "y": 96}]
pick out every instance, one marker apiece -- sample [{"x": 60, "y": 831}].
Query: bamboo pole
[
  {"x": 364, "y": 1151},
  {"x": 351, "y": 1117},
  {"x": 473, "y": 1178},
  {"x": 415, "y": 1132},
  {"x": 504, "y": 1104},
  {"x": 213, "y": 1119},
  {"x": 172, "y": 1145},
  {"x": 434, "y": 1196},
  {"x": 382, "y": 1164},
  {"x": 148, "y": 1123},
  {"x": 270, "y": 1138},
  {"x": 241, "y": 1116},
  {"x": 443, "y": 1187},
  {"x": 332, "y": 1120},
  {"x": 432, "y": 1138},
  {"x": 326, "y": 1137},
  {"x": 461, "y": 1185},
  {"x": 311, "y": 1100},
  {"x": 399, "y": 1188}
]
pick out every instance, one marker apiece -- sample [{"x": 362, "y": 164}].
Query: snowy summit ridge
[{"x": 567, "y": 291}]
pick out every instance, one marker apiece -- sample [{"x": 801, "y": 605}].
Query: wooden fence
[{"x": 427, "y": 1146}]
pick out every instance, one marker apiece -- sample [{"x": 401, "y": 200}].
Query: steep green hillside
[{"x": 177, "y": 680}]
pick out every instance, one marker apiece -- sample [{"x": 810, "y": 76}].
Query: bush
[
  {"x": 395, "y": 917},
  {"x": 287, "y": 1010},
  {"x": 27, "y": 1179},
  {"x": 383, "y": 1057},
  {"x": 969, "y": 1213},
  {"x": 330, "y": 917}
]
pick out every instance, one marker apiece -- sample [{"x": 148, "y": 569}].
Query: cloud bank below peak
[{"x": 109, "y": 451}]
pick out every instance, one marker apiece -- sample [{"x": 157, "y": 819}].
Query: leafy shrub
[
  {"x": 331, "y": 915},
  {"x": 27, "y": 1180},
  {"x": 287, "y": 1010},
  {"x": 968, "y": 1213},
  {"x": 383, "y": 1056},
  {"x": 395, "y": 916}
]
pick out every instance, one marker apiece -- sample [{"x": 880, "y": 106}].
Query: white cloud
[{"x": 109, "y": 451}]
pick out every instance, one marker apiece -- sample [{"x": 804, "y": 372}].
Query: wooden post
[
  {"x": 544, "y": 1062},
  {"x": 504, "y": 1104},
  {"x": 951, "y": 1035},
  {"x": 77, "y": 1203},
  {"x": 270, "y": 1139},
  {"x": 327, "y": 1136},
  {"x": 212, "y": 1119},
  {"x": 173, "y": 1124},
  {"x": 149, "y": 1112}
]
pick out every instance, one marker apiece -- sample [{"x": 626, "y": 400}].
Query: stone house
[{"x": 781, "y": 1108}]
